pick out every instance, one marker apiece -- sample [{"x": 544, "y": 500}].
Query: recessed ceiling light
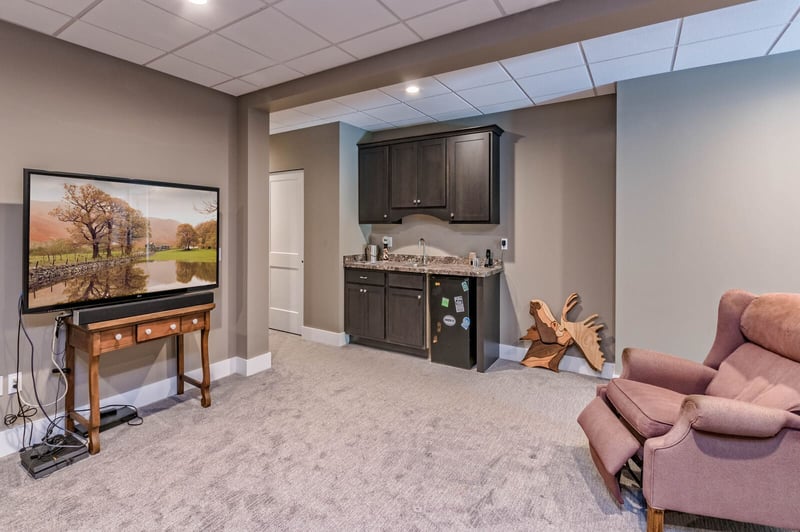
[
  {"x": 199, "y": 2},
  {"x": 412, "y": 89}
]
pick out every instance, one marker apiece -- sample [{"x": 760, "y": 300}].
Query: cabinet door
[
  {"x": 470, "y": 177},
  {"x": 405, "y": 316},
  {"x": 431, "y": 175},
  {"x": 364, "y": 310},
  {"x": 373, "y": 185},
  {"x": 404, "y": 175}
]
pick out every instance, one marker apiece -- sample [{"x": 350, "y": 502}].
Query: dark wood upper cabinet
[
  {"x": 453, "y": 176},
  {"x": 474, "y": 178},
  {"x": 373, "y": 185}
]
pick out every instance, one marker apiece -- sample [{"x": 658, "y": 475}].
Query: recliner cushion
[
  {"x": 649, "y": 410},
  {"x": 773, "y": 322},
  {"x": 755, "y": 375}
]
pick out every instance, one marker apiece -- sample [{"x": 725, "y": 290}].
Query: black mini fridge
[{"x": 452, "y": 310}]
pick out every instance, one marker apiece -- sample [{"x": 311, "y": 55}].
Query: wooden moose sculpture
[{"x": 551, "y": 338}]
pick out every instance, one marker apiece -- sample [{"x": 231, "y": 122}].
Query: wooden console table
[{"x": 102, "y": 337}]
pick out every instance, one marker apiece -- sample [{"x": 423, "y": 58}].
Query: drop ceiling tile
[
  {"x": 476, "y": 76},
  {"x": 455, "y": 17},
  {"x": 413, "y": 121},
  {"x": 236, "y": 87},
  {"x": 559, "y": 58},
  {"x": 68, "y": 7},
  {"x": 561, "y": 81},
  {"x": 366, "y": 100},
  {"x": 515, "y": 6},
  {"x": 325, "y": 109},
  {"x": 338, "y": 21},
  {"x": 565, "y": 97},
  {"x": 320, "y": 60},
  {"x": 633, "y": 66},
  {"x": 226, "y": 56},
  {"x": 411, "y": 8},
  {"x": 506, "y": 106},
  {"x": 395, "y": 113},
  {"x": 631, "y": 42},
  {"x": 109, "y": 43},
  {"x": 455, "y": 115},
  {"x": 273, "y": 34},
  {"x": 380, "y": 41},
  {"x": 143, "y": 22},
  {"x": 183, "y": 68},
  {"x": 506, "y": 91},
  {"x": 443, "y": 103},
  {"x": 381, "y": 126},
  {"x": 32, "y": 16},
  {"x": 272, "y": 76},
  {"x": 427, "y": 87},
  {"x": 359, "y": 119},
  {"x": 289, "y": 117},
  {"x": 737, "y": 19},
  {"x": 733, "y": 48},
  {"x": 212, "y": 15},
  {"x": 790, "y": 40}
]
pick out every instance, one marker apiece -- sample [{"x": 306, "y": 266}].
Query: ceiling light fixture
[
  {"x": 199, "y": 2},
  {"x": 412, "y": 89}
]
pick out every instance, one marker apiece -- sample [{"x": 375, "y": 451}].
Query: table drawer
[
  {"x": 114, "y": 339},
  {"x": 157, "y": 329},
  {"x": 193, "y": 322},
  {"x": 364, "y": 277}
]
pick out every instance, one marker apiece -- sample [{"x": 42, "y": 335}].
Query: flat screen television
[{"x": 95, "y": 240}]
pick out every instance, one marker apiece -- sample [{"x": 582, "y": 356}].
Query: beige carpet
[{"x": 344, "y": 439}]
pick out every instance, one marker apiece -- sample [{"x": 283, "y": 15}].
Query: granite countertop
[{"x": 458, "y": 266}]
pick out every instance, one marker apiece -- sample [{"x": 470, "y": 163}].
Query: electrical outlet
[
  {"x": 503, "y": 243},
  {"x": 1, "y": 385},
  {"x": 13, "y": 382}
]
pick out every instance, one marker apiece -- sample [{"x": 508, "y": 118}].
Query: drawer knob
[
  {"x": 172, "y": 327},
  {"x": 419, "y": 297},
  {"x": 194, "y": 321},
  {"x": 118, "y": 337},
  {"x": 148, "y": 331}
]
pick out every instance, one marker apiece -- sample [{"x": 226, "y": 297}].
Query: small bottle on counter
[
  {"x": 489, "y": 261},
  {"x": 385, "y": 252}
]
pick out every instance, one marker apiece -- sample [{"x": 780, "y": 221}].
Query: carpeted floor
[{"x": 346, "y": 438}]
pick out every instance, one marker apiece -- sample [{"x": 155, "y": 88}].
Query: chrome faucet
[{"x": 421, "y": 244}]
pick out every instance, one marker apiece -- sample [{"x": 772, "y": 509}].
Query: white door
[{"x": 286, "y": 251}]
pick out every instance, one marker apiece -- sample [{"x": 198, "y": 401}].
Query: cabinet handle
[
  {"x": 419, "y": 297},
  {"x": 362, "y": 277},
  {"x": 148, "y": 331},
  {"x": 365, "y": 290},
  {"x": 118, "y": 337},
  {"x": 452, "y": 215},
  {"x": 172, "y": 326},
  {"x": 385, "y": 215},
  {"x": 194, "y": 321}
]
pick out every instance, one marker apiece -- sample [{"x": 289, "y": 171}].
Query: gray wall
[
  {"x": 67, "y": 108},
  {"x": 557, "y": 208},
  {"x": 707, "y": 189}
]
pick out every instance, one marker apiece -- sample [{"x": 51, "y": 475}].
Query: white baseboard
[
  {"x": 324, "y": 337},
  {"x": 571, "y": 364},
  {"x": 11, "y": 439}
]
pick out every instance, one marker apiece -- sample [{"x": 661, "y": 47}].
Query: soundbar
[{"x": 136, "y": 308}]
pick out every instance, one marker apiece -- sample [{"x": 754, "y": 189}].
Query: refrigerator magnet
[
  {"x": 449, "y": 320},
  {"x": 465, "y": 323}
]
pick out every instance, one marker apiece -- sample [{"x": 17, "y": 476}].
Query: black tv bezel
[{"x": 26, "y": 176}]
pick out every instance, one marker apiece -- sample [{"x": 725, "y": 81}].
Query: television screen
[{"x": 92, "y": 240}]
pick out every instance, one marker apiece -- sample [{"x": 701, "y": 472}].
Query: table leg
[
  {"x": 94, "y": 405},
  {"x": 205, "y": 391},
  {"x": 69, "y": 399},
  {"x": 179, "y": 356}
]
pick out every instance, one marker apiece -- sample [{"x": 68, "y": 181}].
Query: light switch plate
[{"x": 387, "y": 241}]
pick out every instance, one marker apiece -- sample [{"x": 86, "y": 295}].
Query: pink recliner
[{"x": 721, "y": 438}]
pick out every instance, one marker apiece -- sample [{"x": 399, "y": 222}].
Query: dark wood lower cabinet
[
  {"x": 405, "y": 316},
  {"x": 365, "y": 310}
]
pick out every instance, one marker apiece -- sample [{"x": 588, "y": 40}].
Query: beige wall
[
  {"x": 316, "y": 151},
  {"x": 67, "y": 108},
  {"x": 556, "y": 207},
  {"x": 707, "y": 188}
]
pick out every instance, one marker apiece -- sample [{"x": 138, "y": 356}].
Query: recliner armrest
[
  {"x": 666, "y": 371},
  {"x": 736, "y": 418}
]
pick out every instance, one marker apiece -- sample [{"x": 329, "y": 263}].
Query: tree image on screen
[{"x": 91, "y": 240}]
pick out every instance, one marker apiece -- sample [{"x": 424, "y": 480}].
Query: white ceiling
[{"x": 238, "y": 46}]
